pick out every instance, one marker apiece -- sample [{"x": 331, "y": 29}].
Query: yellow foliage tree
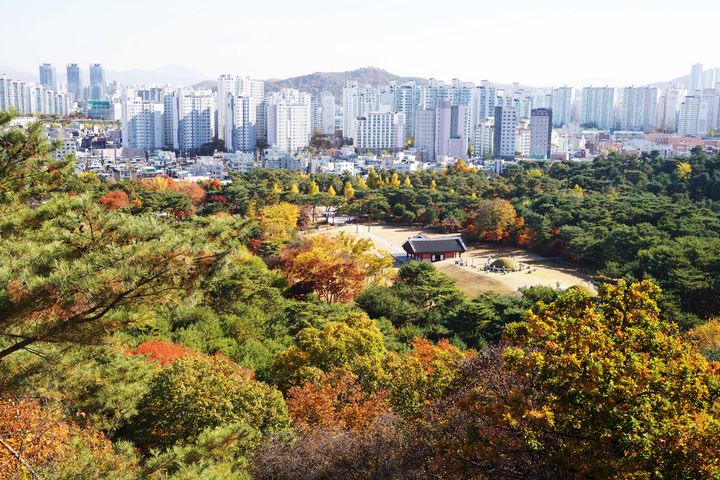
[
  {"x": 348, "y": 191},
  {"x": 433, "y": 186},
  {"x": 395, "y": 180},
  {"x": 294, "y": 188},
  {"x": 313, "y": 189},
  {"x": 684, "y": 170},
  {"x": 277, "y": 222},
  {"x": 277, "y": 188},
  {"x": 408, "y": 182},
  {"x": 361, "y": 183},
  {"x": 331, "y": 191}
]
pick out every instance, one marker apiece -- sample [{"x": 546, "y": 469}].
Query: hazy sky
[{"x": 533, "y": 42}]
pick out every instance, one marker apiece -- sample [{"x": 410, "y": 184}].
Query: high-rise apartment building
[
  {"x": 74, "y": 81},
  {"x": 484, "y": 138},
  {"x": 541, "y": 121},
  {"x": 357, "y": 102},
  {"x": 406, "y": 101},
  {"x": 242, "y": 125},
  {"x": 379, "y": 132},
  {"x": 425, "y": 133},
  {"x": 668, "y": 108},
  {"x": 689, "y": 115},
  {"x": 195, "y": 118},
  {"x": 696, "y": 78},
  {"x": 239, "y": 86},
  {"x": 561, "y": 101},
  {"x": 97, "y": 82},
  {"x": 504, "y": 132},
  {"x": 288, "y": 119},
  {"x": 639, "y": 108},
  {"x": 597, "y": 107},
  {"x": 326, "y": 117},
  {"x": 142, "y": 123},
  {"x": 451, "y": 139},
  {"x": 708, "y": 112},
  {"x": 29, "y": 98},
  {"x": 48, "y": 76}
]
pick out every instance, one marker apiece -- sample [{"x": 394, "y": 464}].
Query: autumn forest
[{"x": 166, "y": 329}]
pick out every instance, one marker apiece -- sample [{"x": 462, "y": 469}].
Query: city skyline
[{"x": 534, "y": 44}]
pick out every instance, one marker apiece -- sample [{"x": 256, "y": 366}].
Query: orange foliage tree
[
  {"x": 115, "y": 200},
  {"x": 335, "y": 400},
  {"x": 162, "y": 351},
  {"x": 194, "y": 192},
  {"x": 321, "y": 265},
  {"x": 494, "y": 220},
  {"x": 33, "y": 438}
]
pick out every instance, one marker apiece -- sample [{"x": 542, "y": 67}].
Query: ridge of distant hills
[{"x": 313, "y": 83}]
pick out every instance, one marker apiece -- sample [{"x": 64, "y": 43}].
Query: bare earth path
[{"x": 475, "y": 281}]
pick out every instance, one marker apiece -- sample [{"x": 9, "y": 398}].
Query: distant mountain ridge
[{"x": 334, "y": 82}]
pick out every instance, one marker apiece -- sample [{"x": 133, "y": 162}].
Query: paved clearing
[{"x": 475, "y": 281}]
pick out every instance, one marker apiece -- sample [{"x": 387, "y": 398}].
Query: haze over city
[{"x": 533, "y": 43}]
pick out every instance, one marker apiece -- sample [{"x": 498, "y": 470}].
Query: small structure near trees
[{"x": 421, "y": 247}]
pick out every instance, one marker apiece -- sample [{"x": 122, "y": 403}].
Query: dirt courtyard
[{"x": 474, "y": 280}]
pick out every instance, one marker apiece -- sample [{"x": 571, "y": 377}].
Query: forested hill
[{"x": 334, "y": 82}]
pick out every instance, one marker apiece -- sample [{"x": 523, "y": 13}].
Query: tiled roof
[{"x": 423, "y": 244}]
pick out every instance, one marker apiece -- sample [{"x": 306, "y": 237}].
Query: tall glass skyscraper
[
  {"x": 97, "y": 82},
  {"x": 74, "y": 81},
  {"x": 48, "y": 76}
]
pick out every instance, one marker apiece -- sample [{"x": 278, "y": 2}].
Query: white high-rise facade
[
  {"x": 696, "y": 78},
  {"x": 597, "y": 106},
  {"x": 541, "y": 120},
  {"x": 327, "y": 113},
  {"x": 561, "y": 100},
  {"x": 425, "y": 132},
  {"x": 242, "y": 129},
  {"x": 357, "y": 102},
  {"x": 504, "y": 132},
  {"x": 639, "y": 108},
  {"x": 668, "y": 108},
  {"x": 142, "y": 121},
  {"x": 708, "y": 112},
  {"x": 288, "y": 119},
  {"x": 406, "y": 101},
  {"x": 689, "y": 115},
  {"x": 379, "y": 132},
  {"x": 30, "y": 98},
  {"x": 237, "y": 86},
  {"x": 451, "y": 139},
  {"x": 196, "y": 118}
]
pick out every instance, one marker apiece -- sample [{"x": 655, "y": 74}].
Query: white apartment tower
[
  {"x": 142, "y": 121},
  {"x": 451, "y": 139},
  {"x": 639, "y": 108},
  {"x": 541, "y": 121},
  {"x": 504, "y": 132},
  {"x": 425, "y": 132},
  {"x": 668, "y": 107},
  {"x": 357, "y": 102},
  {"x": 379, "y": 132},
  {"x": 561, "y": 101},
  {"x": 326, "y": 118},
  {"x": 241, "y": 134},
  {"x": 696, "y": 79},
  {"x": 596, "y": 109},
  {"x": 689, "y": 115},
  {"x": 288, "y": 119},
  {"x": 406, "y": 101},
  {"x": 195, "y": 118},
  {"x": 236, "y": 86}
]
